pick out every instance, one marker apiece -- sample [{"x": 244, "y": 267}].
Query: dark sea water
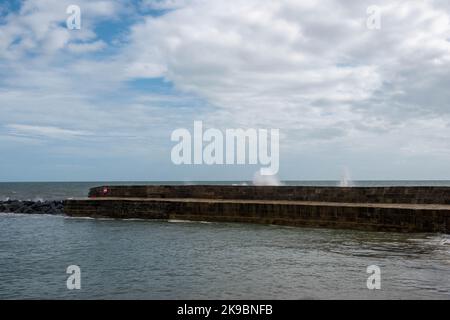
[
  {"x": 189, "y": 260},
  {"x": 136, "y": 259}
]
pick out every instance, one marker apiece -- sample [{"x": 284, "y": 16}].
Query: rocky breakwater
[{"x": 37, "y": 207}]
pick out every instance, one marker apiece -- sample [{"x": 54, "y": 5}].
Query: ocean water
[
  {"x": 137, "y": 259},
  {"x": 132, "y": 259}
]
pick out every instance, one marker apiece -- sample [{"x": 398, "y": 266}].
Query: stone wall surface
[
  {"x": 402, "y": 209},
  {"x": 414, "y": 195}
]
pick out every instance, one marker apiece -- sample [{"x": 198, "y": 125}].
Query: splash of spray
[
  {"x": 345, "y": 178},
  {"x": 266, "y": 180}
]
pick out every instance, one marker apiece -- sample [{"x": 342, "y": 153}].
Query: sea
[{"x": 142, "y": 259}]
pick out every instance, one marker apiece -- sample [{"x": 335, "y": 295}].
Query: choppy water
[{"x": 184, "y": 260}]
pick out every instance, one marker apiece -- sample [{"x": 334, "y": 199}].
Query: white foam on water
[
  {"x": 180, "y": 221},
  {"x": 30, "y": 215},
  {"x": 187, "y": 221},
  {"x": 10, "y": 214},
  {"x": 81, "y": 218}
]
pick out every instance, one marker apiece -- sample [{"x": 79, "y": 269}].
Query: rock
[{"x": 43, "y": 207}]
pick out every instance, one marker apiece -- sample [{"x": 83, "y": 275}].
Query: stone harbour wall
[
  {"x": 374, "y": 209},
  {"x": 411, "y": 195}
]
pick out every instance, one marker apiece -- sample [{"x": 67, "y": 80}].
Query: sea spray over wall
[
  {"x": 345, "y": 178},
  {"x": 260, "y": 180}
]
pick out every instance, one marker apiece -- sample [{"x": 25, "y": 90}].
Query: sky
[{"x": 101, "y": 102}]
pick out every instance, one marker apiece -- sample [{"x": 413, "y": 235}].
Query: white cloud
[
  {"x": 164, "y": 4},
  {"x": 230, "y": 51},
  {"x": 46, "y": 131},
  {"x": 39, "y": 27},
  {"x": 310, "y": 68},
  {"x": 86, "y": 47}
]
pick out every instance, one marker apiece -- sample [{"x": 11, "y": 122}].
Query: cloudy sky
[{"x": 100, "y": 103}]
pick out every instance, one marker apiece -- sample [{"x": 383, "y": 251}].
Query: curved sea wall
[
  {"x": 413, "y": 195},
  {"x": 403, "y": 209}
]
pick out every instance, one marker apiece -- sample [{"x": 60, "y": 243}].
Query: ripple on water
[{"x": 190, "y": 260}]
